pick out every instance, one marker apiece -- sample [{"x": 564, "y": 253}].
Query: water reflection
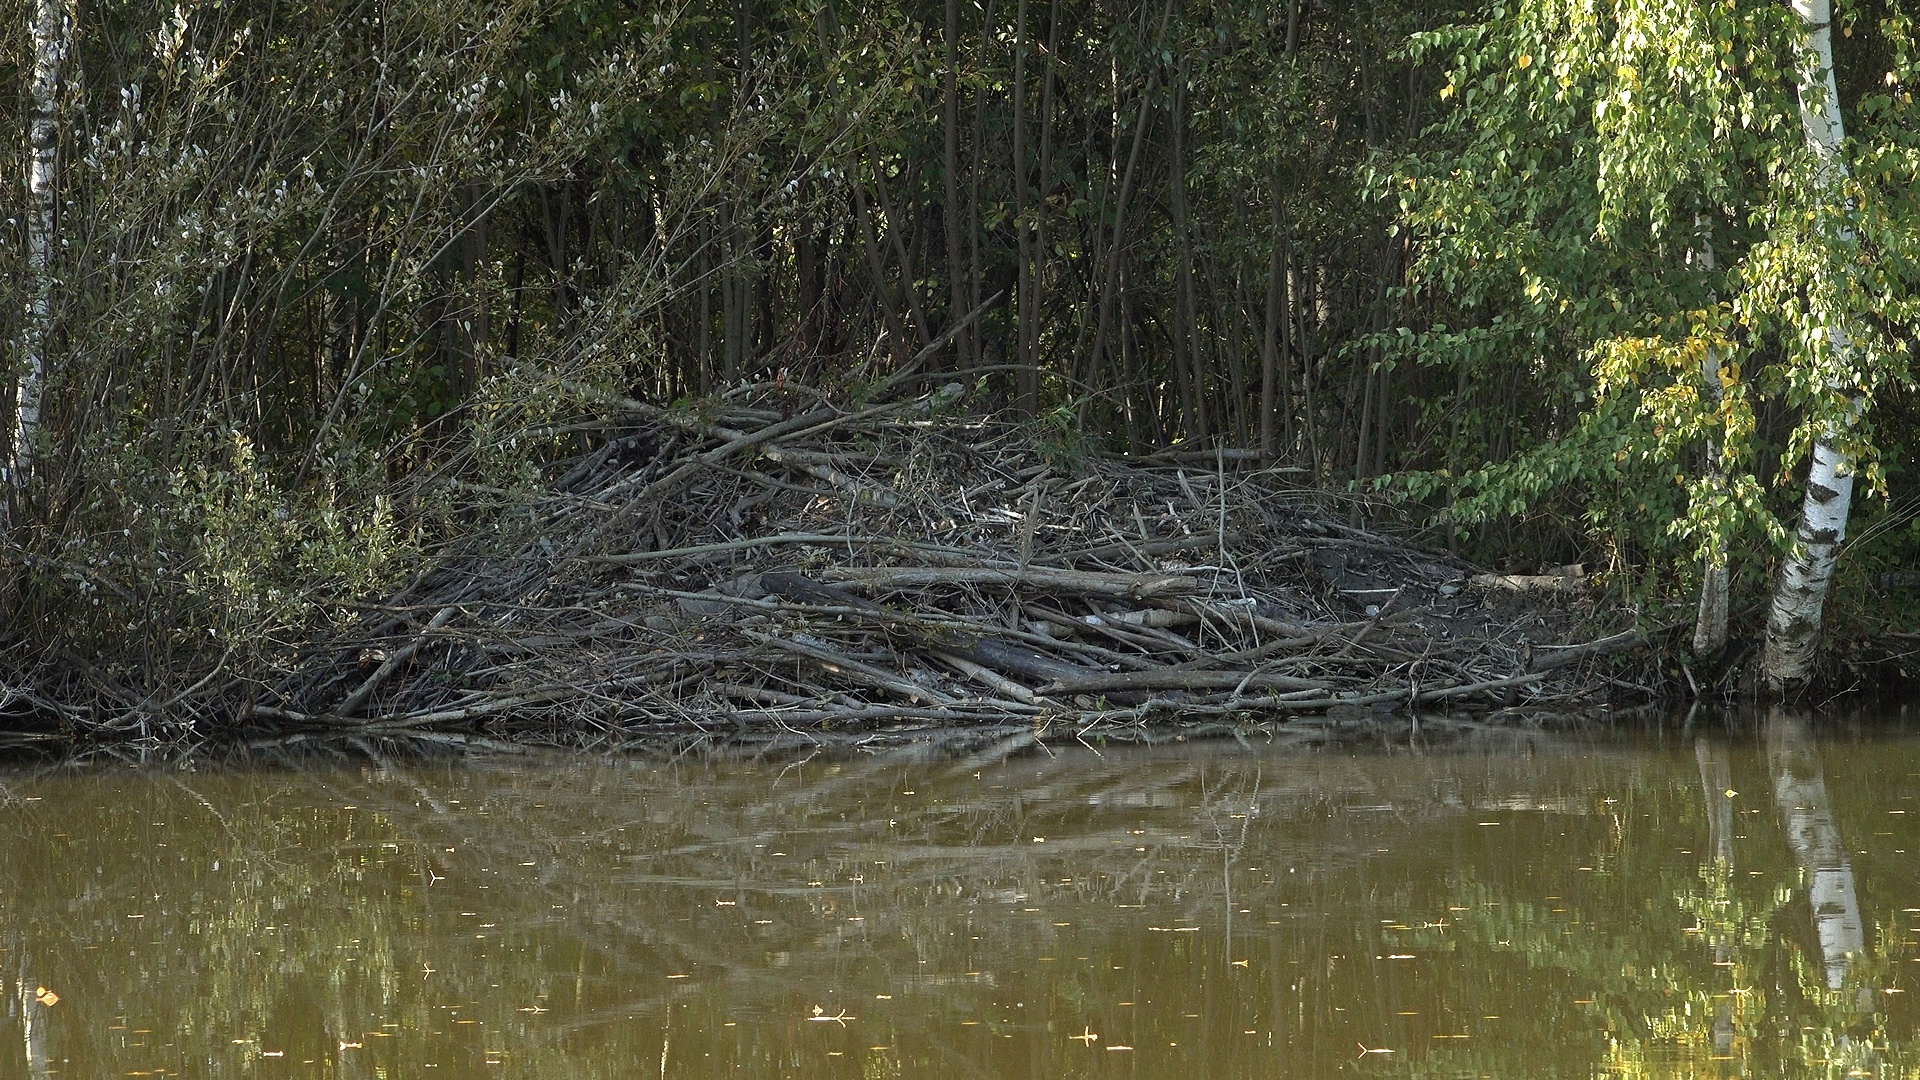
[
  {"x": 1522, "y": 908},
  {"x": 1800, "y": 789}
]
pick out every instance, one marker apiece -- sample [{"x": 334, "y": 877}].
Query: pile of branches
[{"x": 783, "y": 563}]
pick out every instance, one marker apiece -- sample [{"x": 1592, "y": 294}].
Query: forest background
[{"x": 332, "y": 282}]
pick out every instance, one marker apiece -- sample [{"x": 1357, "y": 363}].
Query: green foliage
[
  {"x": 1621, "y": 192},
  {"x": 393, "y": 251},
  {"x": 1063, "y": 442}
]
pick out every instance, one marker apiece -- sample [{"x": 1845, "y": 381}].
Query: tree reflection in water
[
  {"x": 1800, "y": 789},
  {"x": 1506, "y": 904},
  {"x": 1762, "y": 1004}
]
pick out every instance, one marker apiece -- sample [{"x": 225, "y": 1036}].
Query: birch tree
[
  {"x": 1800, "y": 595},
  {"x": 1650, "y": 202},
  {"x": 51, "y": 27}
]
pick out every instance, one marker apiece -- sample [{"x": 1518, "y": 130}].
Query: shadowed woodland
[{"x": 325, "y": 305}]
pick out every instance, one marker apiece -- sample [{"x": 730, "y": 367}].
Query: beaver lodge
[{"x": 901, "y": 569}]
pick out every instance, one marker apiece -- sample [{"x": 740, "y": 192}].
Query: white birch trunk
[
  {"x": 1793, "y": 624},
  {"x": 1800, "y": 792},
  {"x": 50, "y": 33},
  {"x": 1710, "y": 621}
]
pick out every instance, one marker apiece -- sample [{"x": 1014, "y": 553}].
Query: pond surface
[{"x": 1507, "y": 905}]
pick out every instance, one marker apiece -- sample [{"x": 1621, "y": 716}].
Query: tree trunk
[
  {"x": 1710, "y": 621},
  {"x": 1800, "y": 595},
  {"x": 896, "y": 235},
  {"x": 1271, "y": 334},
  {"x": 51, "y": 27},
  {"x": 955, "y": 242},
  {"x": 1037, "y": 277},
  {"x": 1026, "y": 380},
  {"x": 1185, "y": 355}
]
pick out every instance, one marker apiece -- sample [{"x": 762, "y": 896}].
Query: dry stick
[
  {"x": 1142, "y": 639},
  {"x": 848, "y": 665},
  {"x": 1379, "y": 616},
  {"x": 869, "y": 713},
  {"x": 1181, "y": 680},
  {"x": 948, "y": 624},
  {"x": 984, "y": 652},
  {"x": 1447, "y": 693},
  {"x": 1309, "y": 701},
  {"x": 1235, "y": 612},
  {"x": 1013, "y": 659},
  {"x": 1128, "y": 586},
  {"x": 822, "y": 471},
  {"x": 738, "y": 442},
  {"x": 799, "y": 588},
  {"x": 1157, "y": 618},
  {"x": 393, "y": 662},
  {"x": 762, "y": 694},
  {"x": 912, "y": 367},
  {"x": 989, "y": 678},
  {"x": 1261, "y": 652},
  {"x": 1561, "y": 657},
  {"x": 776, "y": 540},
  {"x": 463, "y": 713},
  {"x": 1068, "y": 622},
  {"x": 270, "y": 712}
]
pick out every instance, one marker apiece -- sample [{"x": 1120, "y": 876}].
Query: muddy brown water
[{"x": 1707, "y": 902}]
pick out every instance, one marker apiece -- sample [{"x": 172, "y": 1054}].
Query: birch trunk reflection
[
  {"x": 1800, "y": 791},
  {"x": 1716, "y": 783},
  {"x": 33, "y": 1027}
]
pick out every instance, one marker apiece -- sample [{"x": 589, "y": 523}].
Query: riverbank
[{"x": 903, "y": 568}]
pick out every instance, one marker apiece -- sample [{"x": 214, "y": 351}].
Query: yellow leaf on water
[{"x": 45, "y": 996}]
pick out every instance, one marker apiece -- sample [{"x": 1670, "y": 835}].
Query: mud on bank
[{"x": 901, "y": 569}]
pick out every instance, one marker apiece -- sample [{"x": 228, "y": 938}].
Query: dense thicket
[
  {"x": 325, "y": 269},
  {"x": 334, "y": 277}
]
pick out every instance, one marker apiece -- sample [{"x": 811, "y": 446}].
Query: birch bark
[
  {"x": 1800, "y": 594},
  {"x": 50, "y": 32}
]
